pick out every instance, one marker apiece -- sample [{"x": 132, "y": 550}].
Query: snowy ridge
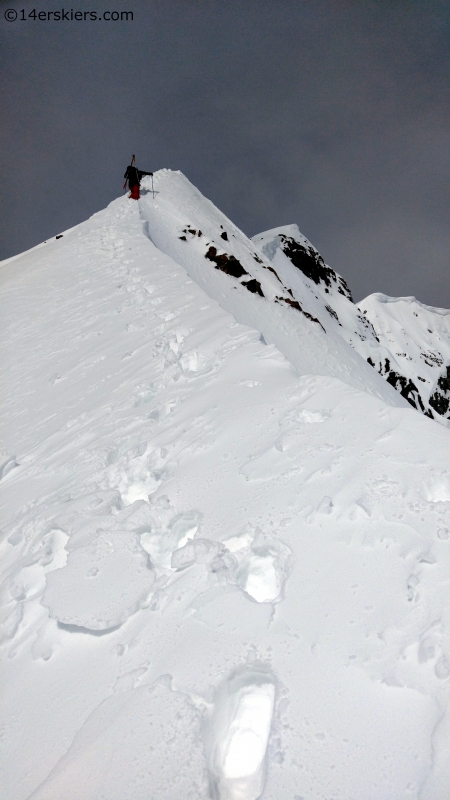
[
  {"x": 400, "y": 337},
  {"x": 220, "y": 578},
  {"x": 224, "y": 262}
]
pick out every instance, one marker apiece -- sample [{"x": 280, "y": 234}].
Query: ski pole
[{"x": 153, "y": 192}]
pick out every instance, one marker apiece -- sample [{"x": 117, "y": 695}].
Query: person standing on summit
[{"x": 134, "y": 177}]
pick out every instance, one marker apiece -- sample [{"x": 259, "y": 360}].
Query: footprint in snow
[
  {"x": 238, "y": 733},
  {"x": 7, "y": 463}
]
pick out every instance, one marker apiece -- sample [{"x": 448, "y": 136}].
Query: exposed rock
[
  {"x": 253, "y": 286},
  {"x": 226, "y": 263},
  {"x": 311, "y": 263}
]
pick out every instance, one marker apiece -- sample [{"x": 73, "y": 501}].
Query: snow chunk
[
  {"x": 311, "y": 417},
  {"x": 161, "y": 542},
  {"x": 438, "y": 491},
  {"x": 259, "y": 565},
  {"x": 263, "y": 570}
]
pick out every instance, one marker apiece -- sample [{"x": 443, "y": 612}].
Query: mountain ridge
[{"x": 223, "y": 573}]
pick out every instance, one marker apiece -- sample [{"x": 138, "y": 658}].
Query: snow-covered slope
[
  {"x": 418, "y": 338},
  {"x": 401, "y": 338},
  {"x": 225, "y": 573},
  {"x": 224, "y": 262}
]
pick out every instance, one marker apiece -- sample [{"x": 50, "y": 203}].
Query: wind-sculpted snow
[{"x": 220, "y": 578}]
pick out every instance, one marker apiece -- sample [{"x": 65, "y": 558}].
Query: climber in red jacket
[{"x": 134, "y": 176}]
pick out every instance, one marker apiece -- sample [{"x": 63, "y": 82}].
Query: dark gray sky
[{"x": 333, "y": 115}]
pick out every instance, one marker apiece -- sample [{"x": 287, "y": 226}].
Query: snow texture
[{"x": 225, "y": 536}]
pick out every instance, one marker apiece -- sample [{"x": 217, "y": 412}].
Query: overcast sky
[{"x": 332, "y": 115}]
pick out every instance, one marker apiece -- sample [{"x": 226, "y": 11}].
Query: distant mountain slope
[
  {"x": 406, "y": 342},
  {"x": 418, "y": 337}
]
